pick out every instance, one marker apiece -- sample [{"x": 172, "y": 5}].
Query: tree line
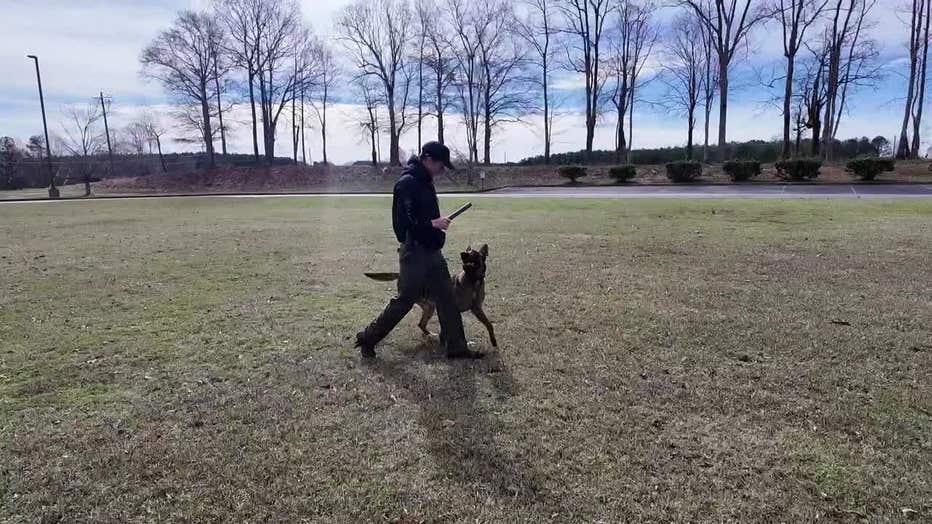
[{"x": 760, "y": 150}]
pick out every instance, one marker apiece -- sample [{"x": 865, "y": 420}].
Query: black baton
[{"x": 460, "y": 211}]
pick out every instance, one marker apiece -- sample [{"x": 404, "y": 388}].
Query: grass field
[{"x": 169, "y": 360}]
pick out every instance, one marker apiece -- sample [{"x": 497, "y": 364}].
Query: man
[{"x": 421, "y": 231}]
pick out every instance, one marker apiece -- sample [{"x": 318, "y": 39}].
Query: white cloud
[
  {"x": 322, "y": 14},
  {"x": 84, "y": 47}
]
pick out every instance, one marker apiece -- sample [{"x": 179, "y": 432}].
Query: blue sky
[{"x": 88, "y": 46}]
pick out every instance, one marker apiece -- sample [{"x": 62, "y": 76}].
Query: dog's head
[{"x": 474, "y": 262}]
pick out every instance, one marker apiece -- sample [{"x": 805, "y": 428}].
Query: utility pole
[
  {"x": 107, "y": 131},
  {"x": 53, "y": 191}
]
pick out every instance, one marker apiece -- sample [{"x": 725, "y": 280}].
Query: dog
[{"x": 468, "y": 290}]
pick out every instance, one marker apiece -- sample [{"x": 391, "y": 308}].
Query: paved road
[{"x": 879, "y": 191}]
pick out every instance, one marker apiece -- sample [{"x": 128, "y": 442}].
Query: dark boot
[
  {"x": 366, "y": 349},
  {"x": 466, "y": 354}
]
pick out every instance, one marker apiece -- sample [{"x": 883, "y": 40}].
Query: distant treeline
[
  {"x": 761, "y": 150},
  {"x": 20, "y": 168}
]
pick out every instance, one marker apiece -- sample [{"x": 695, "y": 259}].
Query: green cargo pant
[{"x": 423, "y": 274}]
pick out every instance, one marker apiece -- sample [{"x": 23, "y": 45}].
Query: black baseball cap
[{"x": 437, "y": 151}]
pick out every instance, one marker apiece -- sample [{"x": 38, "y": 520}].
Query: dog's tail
[{"x": 382, "y": 277}]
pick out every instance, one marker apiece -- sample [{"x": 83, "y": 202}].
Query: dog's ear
[
  {"x": 484, "y": 250},
  {"x": 465, "y": 256}
]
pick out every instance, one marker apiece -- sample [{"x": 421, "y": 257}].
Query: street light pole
[{"x": 53, "y": 191}]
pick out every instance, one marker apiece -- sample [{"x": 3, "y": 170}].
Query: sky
[{"x": 91, "y": 46}]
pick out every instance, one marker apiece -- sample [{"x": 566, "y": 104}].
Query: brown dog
[{"x": 468, "y": 288}]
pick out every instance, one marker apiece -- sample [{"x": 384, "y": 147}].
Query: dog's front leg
[
  {"x": 477, "y": 310},
  {"x": 427, "y": 312}
]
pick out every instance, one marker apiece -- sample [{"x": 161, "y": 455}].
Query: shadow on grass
[{"x": 462, "y": 432}]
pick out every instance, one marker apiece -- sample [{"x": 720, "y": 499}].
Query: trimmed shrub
[
  {"x": 572, "y": 172},
  {"x": 867, "y": 168},
  {"x": 741, "y": 170},
  {"x": 798, "y": 168},
  {"x": 623, "y": 173},
  {"x": 684, "y": 170}
]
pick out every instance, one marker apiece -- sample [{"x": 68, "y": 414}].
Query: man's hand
[{"x": 441, "y": 223}]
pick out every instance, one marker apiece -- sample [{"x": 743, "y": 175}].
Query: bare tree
[
  {"x": 539, "y": 32},
  {"x": 650, "y": 35},
  {"x": 440, "y": 63},
  {"x": 684, "y": 67},
  {"x": 796, "y": 17},
  {"x": 190, "y": 125},
  {"x": 504, "y": 88},
  {"x": 136, "y": 138},
  {"x": 35, "y": 147},
  {"x": 369, "y": 124},
  {"x": 799, "y": 115},
  {"x": 709, "y": 84},
  {"x": 270, "y": 43},
  {"x": 847, "y": 57},
  {"x": 309, "y": 74},
  {"x": 303, "y": 129},
  {"x": 809, "y": 97},
  {"x": 324, "y": 85},
  {"x": 585, "y": 20},
  {"x": 921, "y": 80},
  {"x": 817, "y": 94},
  {"x": 424, "y": 14},
  {"x": 184, "y": 59},
  {"x": 153, "y": 131},
  {"x": 82, "y": 137},
  {"x": 246, "y": 22},
  {"x": 295, "y": 119},
  {"x": 918, "y": 54},
  {"x": 376, "y": 33},
  {"x": 10, "y": 156},
  {"x": 468, "y": 27},
  {"x": 286, "y": 64},
  {"x": 631, "y": 40},
  {"x": 220, "y": 86},
  {"x": 729, "y": 25},
  {"x": 859, "y": 66},
  {"x": 621, "y": 94}
]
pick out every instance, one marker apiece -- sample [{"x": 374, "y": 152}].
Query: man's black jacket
[{"x": 414, "y": 206}]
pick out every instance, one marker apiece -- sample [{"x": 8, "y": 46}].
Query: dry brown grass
[{"x": 660, "y": 361}]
